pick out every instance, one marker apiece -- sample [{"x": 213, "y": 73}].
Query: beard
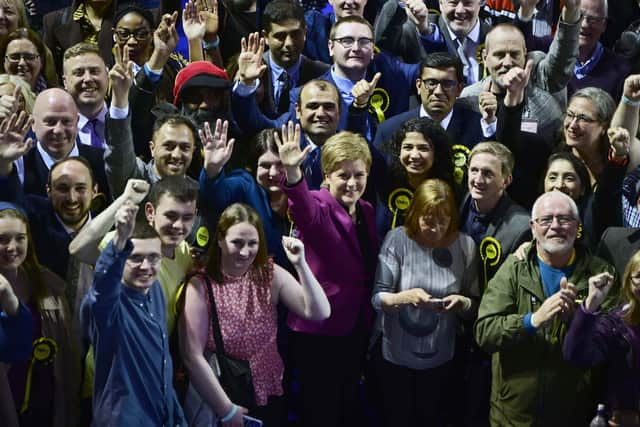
[{"x": 200, "y": 116}]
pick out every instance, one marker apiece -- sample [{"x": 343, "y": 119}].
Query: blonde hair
[
  {"x": 632, "y": 315},
  {"x": 341, "y": 147},
  {"x": 25, "y": 90},
  {"x": 498, "y": 150}
]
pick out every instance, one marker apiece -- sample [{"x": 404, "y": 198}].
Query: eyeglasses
[
  {"x": 580, "y": 118},
  {"x": 17, "y": 56},
  {"x": 347, "y": 42},
  {"x": 141, "y": 34},
  {"x": 432, "y": 84},
  {"x": 547, "y": 220},
  {"x": 591, "y": 19},
  {"x": 137, "y": 260}
]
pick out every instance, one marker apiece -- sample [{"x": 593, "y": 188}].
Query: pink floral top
[{"x": 248, "y": 322}]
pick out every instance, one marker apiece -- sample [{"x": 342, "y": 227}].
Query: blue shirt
[
  {"x": 16, "y": 335},
  {"x": 293, "y": 73},
  {"x": 133, "y": 371}
]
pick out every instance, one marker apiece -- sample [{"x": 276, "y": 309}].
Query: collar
[
  {"x": 50, "y": 161},
  {"x": 308, "y": 141},
  {"x": 444, "y": 123},
  {"x": 473, "y": 35},
  {"x": 70, "y": 231},
  {"x": 582, "y": 70},
  {"x": 137, "y": 295},
  {"x": 101, "y": 117},
  {"x": 277, "y": 70}
]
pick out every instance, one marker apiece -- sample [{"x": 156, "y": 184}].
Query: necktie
[
  {"x": 283, "y": 99},
  {"x": 91, "y": 125},
  {"x": 312, "y": 169},
  {"x": 462, "y": 54}
]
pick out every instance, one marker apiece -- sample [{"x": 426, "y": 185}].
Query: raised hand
[
  {"x": 527, "y": 8},
  {"x": 363, "y": 90},
  {"x": 619, "y": 140},
  {"x": 488, "y": 103},
  {"x": 121, "y": 77},
  {"x": 418, "y": 13},
  {"x": 290, "y": 153},
  {"x": 208, "y": 11},
  {"x": 250, "y": 64},
  {"x": 165, "y": 37},
  {"x": 294, "y": 249},
  {"x": 631, "y": 87},
  {"x": 515, "y": 82},
  {"x": 571, "y": 12},
  {"x": 192, "y": 22},
  {"x": 125, "y": 223},
  {"x": 599, "y": 287},
  {"x": 136, "y": 190},
  {"x": 217, "y": 151},
  {"x": 12, "y": 144},
  {"x": 561, "y": 302},
  {"x": 10, "y": 104}
]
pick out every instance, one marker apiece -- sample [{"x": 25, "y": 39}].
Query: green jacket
[{"x": 532, "y": 385}]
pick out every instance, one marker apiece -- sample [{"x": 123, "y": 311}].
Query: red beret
[{"x": 200, "y": 74}]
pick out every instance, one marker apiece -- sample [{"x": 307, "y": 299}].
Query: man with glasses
[
  {"x": 523, "y": 318},
  {"x": 124, "y": 314},
  {"x": 597, "y": 65},
  {"x": 440, "y": 83}
]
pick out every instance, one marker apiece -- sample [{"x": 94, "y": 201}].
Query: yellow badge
[
  {"x": 399, "y": 201},
  {"x": 490, "y": 253},
  {"x": 460, "y": 157},
  {"x": 202, "y": 236},
  {"x": 44, "y": 350},
  {"x": 379, "y": 103}
]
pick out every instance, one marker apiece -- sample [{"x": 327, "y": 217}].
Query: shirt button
[{"x": 151, "y": 314}]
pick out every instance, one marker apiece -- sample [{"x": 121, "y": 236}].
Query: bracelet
[
  {"x": 211, "y": 45},
  {"x": 231, "y": 414},
  {"x": 359, "y": 107},
  {"x": 630, "y": 101},
  {"x": 618, "y": 160}
]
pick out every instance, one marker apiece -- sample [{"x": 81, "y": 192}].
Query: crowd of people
[{"x": 319, "y": 213}]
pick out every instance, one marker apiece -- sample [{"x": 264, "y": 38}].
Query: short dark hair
[
  {"x": 262, "y": 142},
  {"x": 181, "y": 188},
  {"x": 282, "y": 10},
  {"x": 443, "y": 60},
  {"x": 323, "y": 85},
  {"x": 144, "y": 230},
  {"x": 576, "y": 163},
  {"x": 175, "y": 120},
  {"x": 78, "y": 159}
]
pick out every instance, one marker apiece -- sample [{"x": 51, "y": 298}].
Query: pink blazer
[{"x": 333, "y": 253}]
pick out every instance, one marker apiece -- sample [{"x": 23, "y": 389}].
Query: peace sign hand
[
  {"x": 217, "y": 151},
  {"x": 290, "y": 154},
  {"x": 121, "y": 77}
]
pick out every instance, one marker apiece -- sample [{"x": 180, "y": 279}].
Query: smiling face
[
  {"x": 554, "y": 239},
  {"x": 9, "y": 17},
  {"x": 13, "y": 243},
  {"x": 343, "y": 8},
  {"x": 71, "y": 193},
  {"x": 286, "y": 41},
  {"x": 354, "y": 58},
  {"x": 269, "y": 171},
  {"x": 55, "y": 122},
  {"x": 141, "y": 268},
  {"x": 582, "y": 130},
  {"x": 22, "y": 60},
  {"x": 238, "y": 248},
  {"x": 318, "y": 111},
  {"x": 460, "y": 15},
  {"x": 172, "y": 149},
  {"x": 593, "y": 24},
  {"x": 505, "y": 49},
  {"x": 562, "y": 176},
  {"x": 85, "y": 78},
  {"x": 486, "y": 181},
  {"x": 416, "y": 154},
  {"x": 347, "y": 182},
  {"x": 172, "y": 219},
  {"x": 134, "y": 31}
]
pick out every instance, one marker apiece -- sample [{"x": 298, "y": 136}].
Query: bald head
[{"x": 55, "y": 122}]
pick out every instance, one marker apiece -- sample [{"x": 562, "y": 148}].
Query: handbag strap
[{"x": 217, "y": 333}]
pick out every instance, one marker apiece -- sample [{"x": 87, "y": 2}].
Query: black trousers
[{"x": 329, "y": 372}]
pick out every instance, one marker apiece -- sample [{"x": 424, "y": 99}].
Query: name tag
[{"x": 529, "y": 126}]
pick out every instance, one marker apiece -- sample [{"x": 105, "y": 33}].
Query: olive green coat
[{"x": 531, "y": 383}]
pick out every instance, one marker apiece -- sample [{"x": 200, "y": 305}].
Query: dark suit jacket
[
  {"x": 309, "y": 70},
  {"x": 36, "y": 173},
  {"x": 617, "y": 246},
  {"x": 464, "y": 127},
  {"x": 50, "y": 238},
  {"x": 60, "y": 32}
]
